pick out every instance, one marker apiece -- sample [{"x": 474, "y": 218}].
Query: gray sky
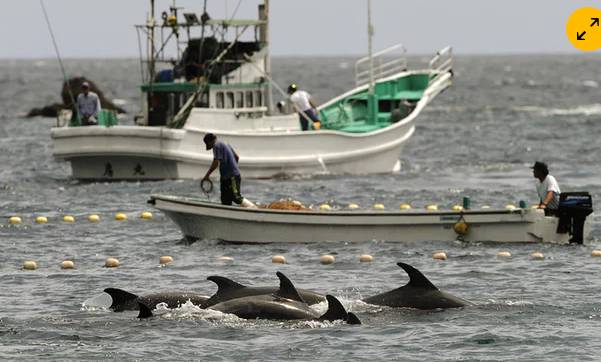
[{"x": 104, "y": 28}]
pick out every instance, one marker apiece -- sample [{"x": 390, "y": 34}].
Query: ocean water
[{"x": 477, "y": 139}]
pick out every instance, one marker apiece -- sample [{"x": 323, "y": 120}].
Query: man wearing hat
[
  {"x": 547, "y": 188},
  {"x": 88, "y": 105},
  {"x": 307, "y": 111},
  {"x": 226, "y": 158}
]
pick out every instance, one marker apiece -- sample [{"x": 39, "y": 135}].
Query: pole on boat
[
  {"x": 60, "y": 62},
  {"x": 264, "y": 15},
  {"x": 371, "y": 101},
  {"x": 151, "y": 24}
]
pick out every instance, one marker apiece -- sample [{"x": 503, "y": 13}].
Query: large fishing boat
[{"x": 220, "y": 82}]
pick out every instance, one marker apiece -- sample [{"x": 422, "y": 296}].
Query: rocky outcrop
[{"x": 75, "y": 85}]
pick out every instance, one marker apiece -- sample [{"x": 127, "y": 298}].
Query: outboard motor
[{"x": 574, "y": 207}]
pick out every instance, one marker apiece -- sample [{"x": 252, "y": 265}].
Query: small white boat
[
  {"x": 204, "y": 220},
  {"x": 224, "y": 87}
]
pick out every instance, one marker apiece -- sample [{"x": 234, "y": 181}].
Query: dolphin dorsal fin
[
  {"x": 145, "y": 312},
  {"x": 335, "y": 310},
  {"x": 225, "y": 284},
  {"x": 416, "y": 278},
  {"x": 287, "y": 289},
  {"x": 119, "y": 297}
]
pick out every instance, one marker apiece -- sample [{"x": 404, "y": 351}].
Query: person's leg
[
  {"x": 316, "y": 124},
  {"x": 225, "y": 187},
  {"x": 304, "y": 123},
  {"x": 236, "y": 196}
]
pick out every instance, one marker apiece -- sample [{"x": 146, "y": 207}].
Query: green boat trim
[
  {"x": 106, "y": 118},
  {"x": 393, "y": 100}
]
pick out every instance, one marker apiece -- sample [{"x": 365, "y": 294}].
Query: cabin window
[
  {"x": 219, "y": 100},
  {"x": 239, "y": 100},
  {"x": 258, "y": 99},
  {"x": 229, "y": 100},
  {"x": 249, "y": 99}
]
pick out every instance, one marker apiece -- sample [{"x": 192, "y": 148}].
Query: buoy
[
  {"x": 111, "y": 262},
  {"x": 68, "y": 218},
  {"x": 94, "y": 218},
  {"x": 510, "y": 206},
  {"x": 41, "y": 219},
  {"x": 327, "y": 259},
  {"x": 461, "y": 227},
  {"x": 30, "y": 265},
  {"x": 165, "y": 259},
  {"x": 14, "y": 220},
  {"x": 485, "y": 207},
  {"x": 366, "y": 258},
  {"x": 405, "y": 207},
  {"x": 352, "y": 206},
  {"x": 457, "y": 208},
  {"x": 325, "y": 207},
  {"x": 504, "y": 254},
  {"x": 278, "y": 259},
  {"x": 537, "y": 255},
  {"x": 146, "y": 215},
  {"x": 67, "y": 264},
  {"x": 225, "y": 258},
  {"x": 120, "y": 216},
  {"x": 596, "y": 253},
  {"x": 432, "y": 207},
  {"x": 379, "y": 206},
  {"x": 440, "y": 255}
]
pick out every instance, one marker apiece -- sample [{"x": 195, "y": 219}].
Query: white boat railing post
[
  {"x": 386, "y": 63},
  {"x": 441, "y": 63}
]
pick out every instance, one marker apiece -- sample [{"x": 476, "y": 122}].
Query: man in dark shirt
[{"x": 226, "y": 158}]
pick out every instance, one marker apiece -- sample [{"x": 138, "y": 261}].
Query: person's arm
[
  {"x": 235, "y": 155},
  {"x": 214, "y": 166},
  {"x": 98, "y": 107},
  {"x": 547, "y": 200}
]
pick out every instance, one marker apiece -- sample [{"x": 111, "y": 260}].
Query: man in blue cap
[
  {"x": 547, "y": 188},
  {"x": 226, "y": 158}
]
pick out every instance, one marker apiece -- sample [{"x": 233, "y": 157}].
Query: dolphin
[
  {"x": 228, "y": 289},
  {"x": 285, "y": 303},
  {"x": 123, "y": 300},
  {"x": 418, "y": 293}
]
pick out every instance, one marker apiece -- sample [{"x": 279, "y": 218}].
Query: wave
[{"x": 583, "y": 110}]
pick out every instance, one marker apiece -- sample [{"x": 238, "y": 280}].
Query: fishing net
[{"x": 286, "y": 204}]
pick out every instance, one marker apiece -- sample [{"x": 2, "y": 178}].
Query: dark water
[{"x": 476, "y": 139}]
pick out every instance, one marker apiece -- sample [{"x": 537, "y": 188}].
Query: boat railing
[
  {"x": 441, "y": 63},
  {"x": 386, "y": 62}
]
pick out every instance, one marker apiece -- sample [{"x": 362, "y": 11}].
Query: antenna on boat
[
  {"x": 371, "y": 102},
  {"x": 58, "y": 56}
]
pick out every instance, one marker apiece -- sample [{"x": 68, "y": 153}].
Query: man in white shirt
[
  {"x": 303, "y": 104},
  {"x": 547, "y": 188},
  {"x": 88, "y": 105}
]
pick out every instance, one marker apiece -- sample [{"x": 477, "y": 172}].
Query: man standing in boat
[
  {"x": 226, "y": 158},
  {"x": 88, "y": 105},
  {"x": 307, "y": 111},
  {"x": 547, "y": 188}
]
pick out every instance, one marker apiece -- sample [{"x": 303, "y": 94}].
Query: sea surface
[{"x": 477, "y": 139}]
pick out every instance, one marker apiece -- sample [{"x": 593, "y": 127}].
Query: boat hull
[{"x": 202, "y": 220}]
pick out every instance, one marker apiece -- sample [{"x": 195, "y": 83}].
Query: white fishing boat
[
  {"x": 204, "y": 220},
  {"x": 224, "y": 87}
]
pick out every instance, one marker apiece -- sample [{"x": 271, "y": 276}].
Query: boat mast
[
  {"x": 371, "y": 102},
  {"x": 267, "y": 61},
  {"x": 151, "y": 24}
]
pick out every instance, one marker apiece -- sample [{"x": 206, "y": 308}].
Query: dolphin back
[
  {"x": 336, "y": 311},
  {"x": 122, "y": 300}
]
